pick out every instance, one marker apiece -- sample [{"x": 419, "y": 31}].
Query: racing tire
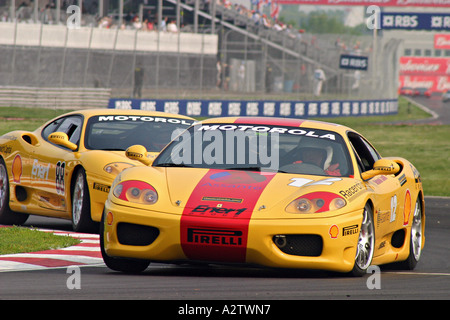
[
  {"x": 81, "y": 206},
  {"x": 366, "y": 244},
  {"x": 416, "y": 238},
  {"x": 7, "y": 216},
  {"x": 131, "y": 266}
]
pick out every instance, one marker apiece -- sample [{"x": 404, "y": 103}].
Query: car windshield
[
  {"x": 113, "y": 132},
  {"x": 258, "y": 148}
]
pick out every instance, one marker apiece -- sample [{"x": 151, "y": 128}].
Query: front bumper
[
  {"x": 99, "y": 187},
  {"x": 311, "y": 243}
]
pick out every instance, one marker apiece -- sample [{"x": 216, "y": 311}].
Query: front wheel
[
  {"x": 81, "y": 207},
  {"x": 416, "y": 237},
  {"x": 366, "y": 244},
  {"x": 120, "y": 264}
]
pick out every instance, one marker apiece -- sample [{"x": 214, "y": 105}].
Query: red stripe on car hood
[{"x": 214, "y": 224}]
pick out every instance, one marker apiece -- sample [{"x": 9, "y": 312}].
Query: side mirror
[
  {"x": 61, "y": 139},
  {"x": 139, "y": 153},
  {"x": 381, "y": 167}
]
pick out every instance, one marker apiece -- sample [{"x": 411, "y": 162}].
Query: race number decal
[
  {"x": 302, "y": 182},
  {"x": 60, "y": 174}
]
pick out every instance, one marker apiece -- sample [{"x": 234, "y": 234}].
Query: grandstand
[{"x": 118, "y": 37}]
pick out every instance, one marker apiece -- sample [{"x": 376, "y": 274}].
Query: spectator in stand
[
  {"x": 46, "y": 15},
  {"x": 291, "y": 32},
  {"x": 172, "y": 27},
  {"x": 269, "y": 77},
  {"x": 4, "y": 17},
  {"x": 266, "y": 22},
  {"x": 137, "y": 23},
  {"x": 219, "y": 74},
  {"x": 227, "y": 4},
  {"x": 319, "y": 78},
  {"x": 148, "y": 25},
  {"x": 138, "y": 81},
  {"x": 241, "y": 77},
  {"x": 299, "y": 34},
  {"x": 226, "y": 70},
  {"x": 105, "y": 23},
  {"x": 256, "y": 17},
  {"x": 163, "y": 26},
  {"x": 278, "y": 26}
]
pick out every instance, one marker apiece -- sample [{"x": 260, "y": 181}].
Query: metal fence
[
  {"x": 242, "y": 62},
  {"x": 285, "y": 65}
]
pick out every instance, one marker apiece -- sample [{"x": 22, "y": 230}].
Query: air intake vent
[
  {"x": 136, "y": 234},
  {"x": 309, "y": 245}
]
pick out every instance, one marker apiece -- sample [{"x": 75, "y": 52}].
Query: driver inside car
[{"x": 319, "y": 157}]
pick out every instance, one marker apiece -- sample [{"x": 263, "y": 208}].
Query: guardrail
[
  {"x": 58, "y": 98},
  {"x": 265, "y": 108}
]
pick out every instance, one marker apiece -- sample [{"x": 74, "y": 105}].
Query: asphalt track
[
  {"x": 234, "y": 285},
  {"x": 439, "y": 111},
  {"x": 430, "y": 279}
]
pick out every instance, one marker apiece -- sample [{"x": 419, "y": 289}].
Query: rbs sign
[
  {"x": 353, "y": 62},
  {"x": 415, "y": 21}
]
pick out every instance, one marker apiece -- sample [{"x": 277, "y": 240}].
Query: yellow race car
[
  {"x": 285, "y": 193},
  {"x": 65, "y": 168}
]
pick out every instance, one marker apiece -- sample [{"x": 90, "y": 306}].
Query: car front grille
[
  {"x": 309, "y": 245},
  {"x": 136, "y": 234}
]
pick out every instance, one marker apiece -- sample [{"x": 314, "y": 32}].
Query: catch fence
[{"x": 232, "y": 63}]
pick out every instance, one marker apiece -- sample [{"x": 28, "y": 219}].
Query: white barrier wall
[
  {"x": 57, "y": 98},
  {"x": 23, "y": 34}
]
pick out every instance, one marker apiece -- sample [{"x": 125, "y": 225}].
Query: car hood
[
  {"x": 94, "y": 161},
  {"x": 236, "y": 194}
]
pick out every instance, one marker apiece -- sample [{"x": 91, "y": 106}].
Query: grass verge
[
  {"x": 27, "y": 119},
  {"x": 20, "y": 240},
  {"x": 425, "y": 146}
]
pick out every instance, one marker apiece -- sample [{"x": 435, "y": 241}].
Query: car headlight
[
  {"x": 136, "y": 191},
  {"x": 316, "y": 202},
  {"x": 117, "y": 167}
]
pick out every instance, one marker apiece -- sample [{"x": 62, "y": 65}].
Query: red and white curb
[{"x": 86, "y": 253}]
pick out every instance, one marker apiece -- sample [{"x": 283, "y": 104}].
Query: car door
[
  {"x": 50, "y": 166},
  {"x": 386, "y": 190}
]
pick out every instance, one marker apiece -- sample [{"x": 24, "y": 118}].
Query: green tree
[{"x": 320, "y": 21}]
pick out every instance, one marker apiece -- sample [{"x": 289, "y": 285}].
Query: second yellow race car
[
  {"x": 285, "y": 193},
  {"x": 65, "y": 168}
]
